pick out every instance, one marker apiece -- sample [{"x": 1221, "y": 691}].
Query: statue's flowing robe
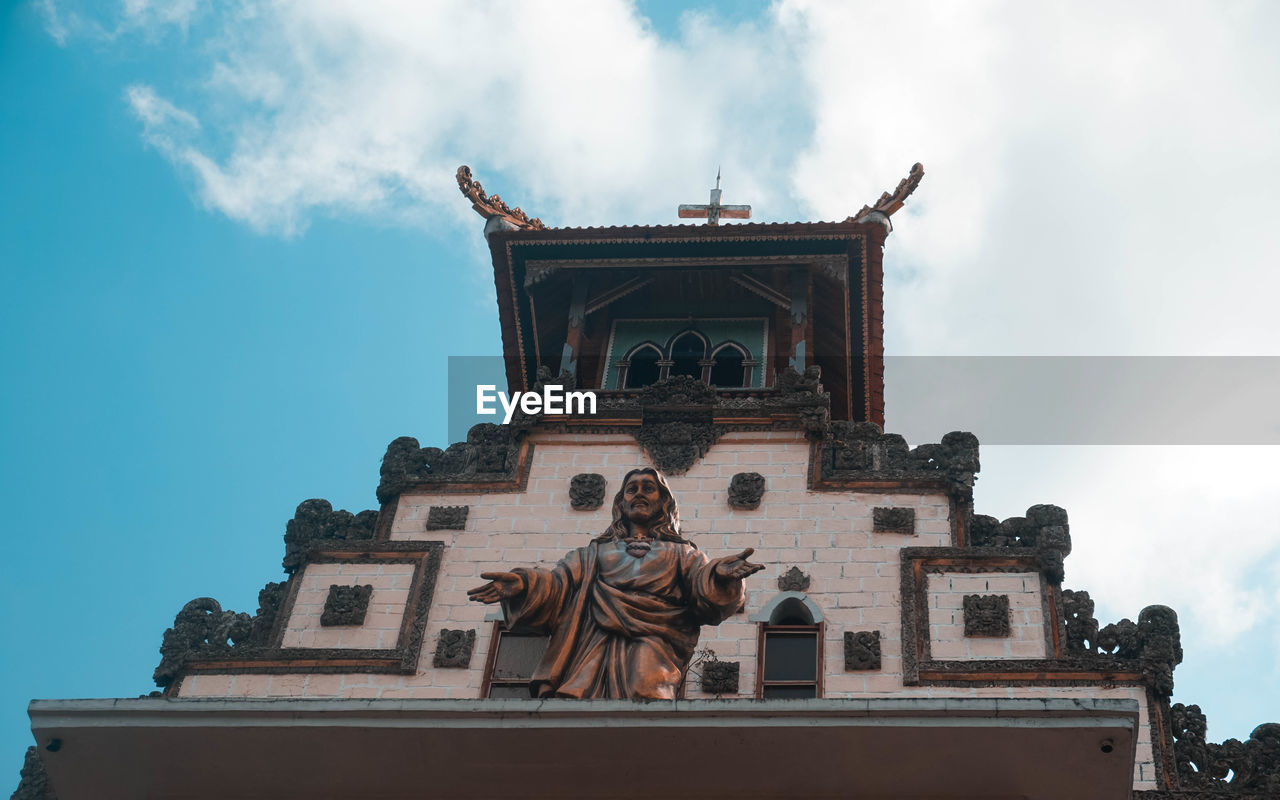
[{"x": 621, "y": 626}]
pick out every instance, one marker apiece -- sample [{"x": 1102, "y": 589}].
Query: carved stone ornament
[
  {"x": 492, "y": 206},
  {"x": 202, "y": 629},
  {"x": 586, "y": 491},
  {"x": 675, "y": 446},
  {"x": 861, "y": 650},
  {"x": 893, "y": 520},
  {"x": 720, "y": 677},
  {"x": 33, "y": 781},
  {"x": 447, "y": 518},
  {"x": 1154, "y": 641},
  {"x": 488, "y": 454},
  {"x": 454, "y": 648},
  {"x": 793, "y": 580},
  {"x": 854, "y": 449},
  {"x": 745, "y": 490},
  {"x": 986, "y": 615},
  {"x": 346, "y": 605},
  {"x": 1254, "y": 765},
  {"x": 1044, "y": 529},
  {"x": 315, "y": 521}
]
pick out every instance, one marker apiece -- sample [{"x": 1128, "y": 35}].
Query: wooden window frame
[
  {"x": 817, "y": 629},
  {"x": 491, "y": 660}
]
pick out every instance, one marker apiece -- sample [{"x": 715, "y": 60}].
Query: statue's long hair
[{"x": 668, "y": 525}]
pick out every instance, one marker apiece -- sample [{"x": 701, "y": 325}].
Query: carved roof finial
[
  {"x": 490, "y": 207},
  {"x": 890, "y": 202}
]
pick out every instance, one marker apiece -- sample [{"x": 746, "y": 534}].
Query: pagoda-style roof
[{"x": 815, "y": 287}]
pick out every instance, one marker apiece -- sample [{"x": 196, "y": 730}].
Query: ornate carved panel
[
  {"x": 745, "y": 490},
  {"x": 720, "y": 677},
  {"x": 346, "y": 605},
  {"x": 793, "y": 580},
  {"x": 861, "y": 650},
  {"x": 986, "y": 615},
  {"x": 893, "y": 520},
  {"x": 447, "y": 518},
  {"x": 454, "y": 648},
  {"x": 586, "y": 491}
]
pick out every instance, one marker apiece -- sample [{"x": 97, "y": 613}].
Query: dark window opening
[
  {"x": 789, "y": 664},
  {"x": 643, "y": 369},
  {"x": 727, "y": 372},
  {"x": 790, "y": 653},
  {"x": 687, "y": 353},
  {"x": 513, "y": 658}
]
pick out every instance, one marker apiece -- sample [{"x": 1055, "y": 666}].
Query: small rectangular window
[
  {"x": 513, "y": 657},
  {"x": 790, "y": 661}
]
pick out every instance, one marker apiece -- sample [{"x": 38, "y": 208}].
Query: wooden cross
[{"x": 713, "y": 211}]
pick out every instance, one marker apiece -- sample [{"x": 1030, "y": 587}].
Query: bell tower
[{"x": 732, "y": 305}]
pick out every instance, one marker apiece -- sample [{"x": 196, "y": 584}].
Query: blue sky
[{"x": 234, "y": 263}]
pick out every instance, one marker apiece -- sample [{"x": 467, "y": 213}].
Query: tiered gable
[{"x": 895, "y": 644}]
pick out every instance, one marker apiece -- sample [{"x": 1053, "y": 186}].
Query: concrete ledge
[{"x": 307, "y": 748}]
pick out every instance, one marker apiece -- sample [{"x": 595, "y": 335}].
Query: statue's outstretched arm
[{"x": 501, "y": 586}]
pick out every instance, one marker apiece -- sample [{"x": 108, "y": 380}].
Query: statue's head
[{"x": 629, "y": 504}]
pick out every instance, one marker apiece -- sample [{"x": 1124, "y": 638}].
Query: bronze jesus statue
[{"x": 624, "y": 611}]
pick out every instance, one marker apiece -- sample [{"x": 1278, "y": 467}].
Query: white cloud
[{"x": 1193, "y": 528}]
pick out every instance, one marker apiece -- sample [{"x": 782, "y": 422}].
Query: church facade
[{"x": 896, "y": 643}]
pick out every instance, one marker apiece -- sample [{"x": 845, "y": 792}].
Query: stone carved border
[
  {"x": 346, "y": 605},
  {"x": 447, "y": 518},
  {"x": 918, "y": 666},
  {"x": 403, "y": 658}
]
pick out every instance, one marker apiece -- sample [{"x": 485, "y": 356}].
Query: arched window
[
  {"x": 790, "y": 650},
  {"x": 687, "y": 354},
  {"x": 642, "y": 367},
  {"x": 728, "y": 371}
]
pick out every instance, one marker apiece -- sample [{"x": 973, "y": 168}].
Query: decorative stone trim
[
  {"x": 316, "y": 522},
  {"x": 1044, "y": 531},
  {"x": 853, "y": 450},
  {"x": 33, "y": 781},
  {"x": 447, "y": 518},
  {"x": 346, "y": 605},
  {"x": 893, "y": 520},
  {"x": 1154, "y": 641},
  {"x": 793, "y": 580},
  {"x": 745, "y": 490},
  {"x": 454, "y": 648},
  {"x": 491, "y": 459},
  {"x": 986, "y": 615},
  {"x": 203, "y": 630},
  {"x": 1202, "y": 766},
  {"x": 586, "y": 491},
  {"x": 720, "y": 677},
  {"x": 861, "y": 650}
]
